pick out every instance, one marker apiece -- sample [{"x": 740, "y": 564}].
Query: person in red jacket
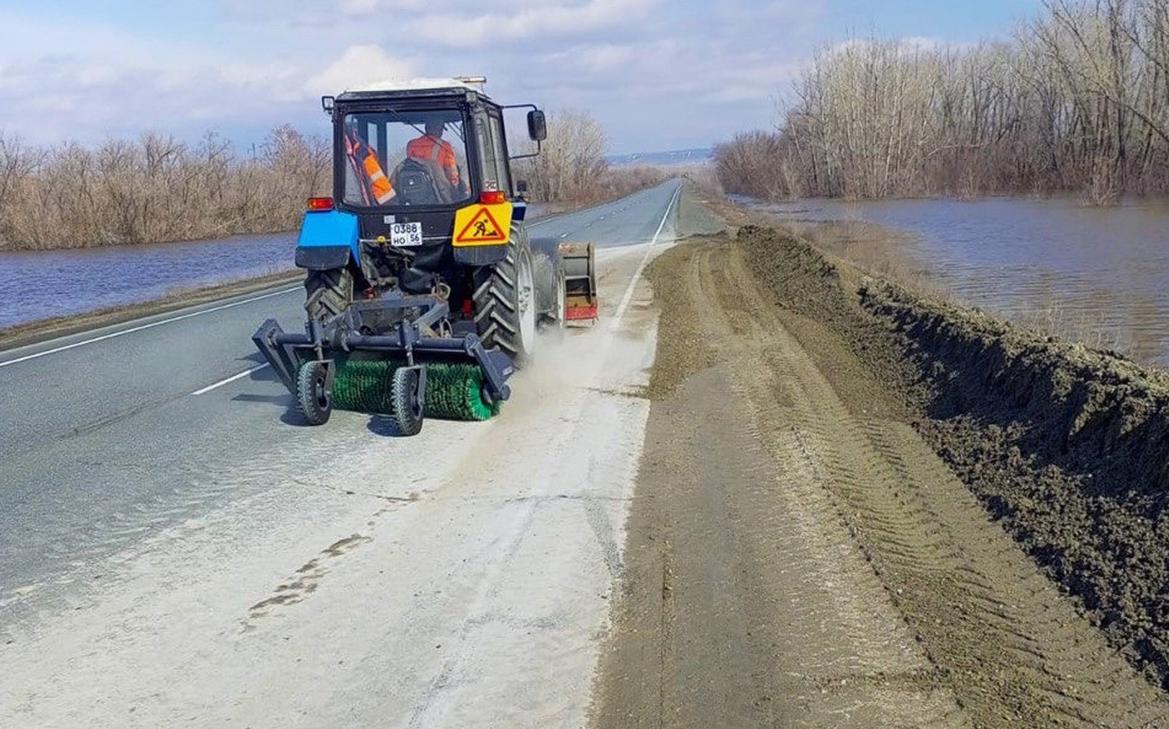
[{"x": 431, "y": 146}]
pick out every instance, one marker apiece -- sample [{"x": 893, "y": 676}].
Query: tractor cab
[
  {"x": 407, "y": 158},
  {"x": 440, "y": 146},
  {"x": 421, "y": 155}
]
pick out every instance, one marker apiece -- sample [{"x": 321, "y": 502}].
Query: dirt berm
[
  {"x": 852, "y": 503},
  {"x": 1069, "y": 447}
]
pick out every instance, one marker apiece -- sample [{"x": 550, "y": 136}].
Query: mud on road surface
[{"x": 798, "y": 554}]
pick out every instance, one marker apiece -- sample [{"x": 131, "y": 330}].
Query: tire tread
[{"x": 328, "y": 293}]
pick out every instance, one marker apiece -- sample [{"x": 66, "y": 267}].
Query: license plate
[{"x": 405, "y": 235}]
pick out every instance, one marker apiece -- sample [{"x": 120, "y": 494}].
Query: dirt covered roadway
[
  {"x": 182, "y": 551},
  {"x": 798, "y": 555}
]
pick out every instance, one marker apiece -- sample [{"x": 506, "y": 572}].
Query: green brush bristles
[
  {"x": 362, "y": 385},
  {"x": 453, "y": 391}
]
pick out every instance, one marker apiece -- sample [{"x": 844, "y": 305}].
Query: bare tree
[
  {"x": 18, "y": 163},
  {"x": 1078, "y": 100},
  {"x": 571, "y": 165},
  {"x": 158, "y": 188},
  {"x": 155, "y": 189}
]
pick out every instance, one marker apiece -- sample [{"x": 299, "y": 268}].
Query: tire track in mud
[
  {"x": 1012, "y": 648},
  {"x": 903, "y": 687},
  {"x": 744, "y": 603},
  {"x": 798, "y": 555}
]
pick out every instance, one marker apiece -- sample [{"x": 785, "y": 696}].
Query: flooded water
[
  {"x": 43, "y": 284},
  {"x": 1100, "y": 275}
]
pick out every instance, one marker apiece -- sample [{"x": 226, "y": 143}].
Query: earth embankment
[
  {"x": 806, "y": 545},
  {"x": 1068, "y": 447}
]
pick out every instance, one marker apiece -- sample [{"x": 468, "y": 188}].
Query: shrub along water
[
  {"x": 1077, "y": 101},
  {"x": 156, "y": 189},
  {"x": 571, "y": 166}
]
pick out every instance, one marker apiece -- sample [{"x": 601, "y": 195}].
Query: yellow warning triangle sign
[{"x": 483, "y": 228}]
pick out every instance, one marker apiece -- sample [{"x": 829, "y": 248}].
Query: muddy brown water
[{"x": 1100, "y": 275}]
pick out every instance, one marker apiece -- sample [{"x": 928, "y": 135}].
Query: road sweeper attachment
[
  {"x": 423, "y": 290},
  {"x": 408, "y": 373}
]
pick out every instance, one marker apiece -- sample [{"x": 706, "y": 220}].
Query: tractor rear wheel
[
  {"x": 560, "y": 309},
  {"x": 327, "y": 293},
  {"x": 506, "y": 312}
]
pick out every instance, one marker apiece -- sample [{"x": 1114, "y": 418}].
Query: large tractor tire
[
  {"x": 550, "y": 283},
  {"x": 327, "y": 293},
  {"x": 558, "y": 318},
  {"x": 506, "y": 313}
]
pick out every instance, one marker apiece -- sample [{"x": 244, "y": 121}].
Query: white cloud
[
  {"x": 513, "y": 23},
  {"x": 358, "y": 66},
  {"x": 358, "y": 7},
  {"x": 97, "y": 75},
  {"x": 656, "y": 73},
  {"x": 386, "y": 7}
]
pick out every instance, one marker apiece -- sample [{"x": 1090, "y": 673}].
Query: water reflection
[
  {"x": 43, "y": 284},
  {"x": 1100, "y": 275}
]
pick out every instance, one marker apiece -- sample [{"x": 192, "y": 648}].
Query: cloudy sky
[{"x": 659, "y": 74}]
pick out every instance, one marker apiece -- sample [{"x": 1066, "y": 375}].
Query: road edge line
[
  {"x": 151, "y": 325},
  {"x": 233, "y": 378},
  {"x": 617, "y": 316}
]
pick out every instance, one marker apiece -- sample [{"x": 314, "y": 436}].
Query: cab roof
[{"x": 412, "y": 88}]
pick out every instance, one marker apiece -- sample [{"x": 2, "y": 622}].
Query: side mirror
[
  {"x": 537, "y": 126},
  {"x": 327, "y": 104},
  {"x": 521, "y": 188}
]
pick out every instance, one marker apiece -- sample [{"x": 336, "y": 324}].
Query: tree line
[
  {"x": 571, "y": 167},
  {"x": 1077, "y": 100},
  {"x": 155, "y": 189},
  {"x": 158, "y": 189}
]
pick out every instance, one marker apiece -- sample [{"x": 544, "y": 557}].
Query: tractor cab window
[
  {"x": 397, "y": 159},
  {"x": 492, "y": 154}
]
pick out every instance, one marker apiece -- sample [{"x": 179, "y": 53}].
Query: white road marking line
[
  {"x": 233, "y": 378},
  {"x": 641, "y": 266},
  {"x": 662, "y": 224},
  {"x": 151, "y": 325}
]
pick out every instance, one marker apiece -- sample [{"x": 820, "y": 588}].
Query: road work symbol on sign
[{"x": 483, "y": 225}]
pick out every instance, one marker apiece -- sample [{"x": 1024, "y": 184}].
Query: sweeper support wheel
[
  {"x": 314, "y": 384},
  {"x": 408, "y": 399}
]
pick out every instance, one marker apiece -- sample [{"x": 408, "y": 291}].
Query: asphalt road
[{"x": 173, "y": 545}]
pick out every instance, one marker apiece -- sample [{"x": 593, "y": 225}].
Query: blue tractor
[{"x": 423, "y": 290}]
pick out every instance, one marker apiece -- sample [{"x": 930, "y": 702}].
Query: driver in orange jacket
[{"x": 431, "y": 146}]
